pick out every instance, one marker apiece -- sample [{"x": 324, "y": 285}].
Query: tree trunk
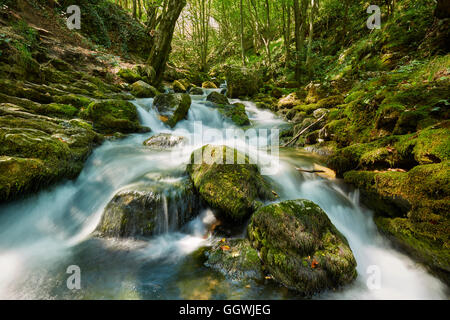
[
  {"x": 242, "y": 32},
  {"x": 160, "y": 51},
  {"x": 300, "y": 22},
  {"x": 314, "y": 5},
  {"x": 442, "y": 9}
]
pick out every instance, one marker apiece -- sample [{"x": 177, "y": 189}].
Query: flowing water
[{"x": 41, "y": 236}]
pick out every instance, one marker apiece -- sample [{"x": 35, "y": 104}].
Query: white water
[{"x": 44, "y": 234}]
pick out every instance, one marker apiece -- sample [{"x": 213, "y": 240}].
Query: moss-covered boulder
[
  {"x": 217, "y": 98},
  {"x": 129, "y": 75},
  {"x": 164, "y": 141},
  {"x": 196, "y": 91},
  {"x": 234, "y": 189},
  {"x": 236, "y": 259},
  {"x": 243, "y": 82},
  {"x": 172, "y": 107},
  {"x": 236, "y": 113},
  {"x": 301, "y": 248},
  {"x": 37, "y": 151},
  {"x": 412, "y": 208},
  {"x": 209, "y": 85},
  {"x": 112, "y": 116},
  {"x": 144, "y": 210},
  {"x": 141, "y": 89}
]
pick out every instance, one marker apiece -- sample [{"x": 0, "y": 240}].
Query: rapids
[{"x": 42, "y": 235}]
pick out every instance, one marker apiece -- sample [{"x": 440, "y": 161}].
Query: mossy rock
[
  {"x": 172, "y": 107},
  {"x": 140, "y": 210},
  {"x": 420, "y": 240},
  {"x": 301, "y": 248},
  {"x": 209, "y": 85},
  {"x": 111, "y": 116},
  {"x": 234, "y": 189},
  {"x": 129, "y": 75},
  {"x": 38, "y": 151},
  {"x": 141, "y": 89},
  {"x": 236, "y": 259},
  {"x": 234, "y": 112},
  {"x": 196, "y": 91},
  {"x": 243, "y": 82},
  {"x": 77, "y": 101},
  {"x": 418, "y": 200},
  {"x": 217, "y": 98}
]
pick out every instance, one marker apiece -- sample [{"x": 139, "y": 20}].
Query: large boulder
[
  {"x": 196, "y": 91},
  {"x": 301, "y": 248},
  {"x": 145, "y": 210},
  {"x": 217, "y": 98},
  {"x": 236, "y": 113},
  {"x": 141, "y": 89},
  {"x": 164, "y": 141},
  {"x": 172, "y": 107},
  {"x": 110, "y": 116},
  {"x": 36, "y": 151},
  {"x": 412, "y": 209},
  {"x": 236, "y": 259},
  {"x": 234, "y": 190},
  {"x": 243, "y": 82}
]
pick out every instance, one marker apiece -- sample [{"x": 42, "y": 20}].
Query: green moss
[
  {"x": 113, "y": 116},
  {"x": 300, "y": 247},
  {"x": 235, "y": 259},
  {"x": 236, "y": 113},
  {"x": 234, "y": 189},
  {"x": 129, "y": 75}
]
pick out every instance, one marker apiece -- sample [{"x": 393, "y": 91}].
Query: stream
[{"x": 42, "y": 235}]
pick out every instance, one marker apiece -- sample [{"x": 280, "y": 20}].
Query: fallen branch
[{"x": 304, "y": 130}]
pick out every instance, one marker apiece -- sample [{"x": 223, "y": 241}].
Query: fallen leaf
[
  {"x": 314, "y": 263},
  {"x": 225, "y": 248}
]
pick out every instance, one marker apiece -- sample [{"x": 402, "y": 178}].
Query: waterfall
[{"x": 43, "y": 234}]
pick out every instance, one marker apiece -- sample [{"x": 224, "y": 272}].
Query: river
[{"x": 44, "y": 234}]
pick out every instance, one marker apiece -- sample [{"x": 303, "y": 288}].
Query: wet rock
[
  {"x": 301, "y": 248},
  {"x": 145, "y": 210},
  {"x": 196, "y": 91},
  {"x": 112, "y": 116},
  {"x": 172, "y": 107},
  {"x": 235, "y": 259},
  {"x": 235, "y": 190},
  {"x": 411, "y": 208},
  {"x": 217, "y": 98},
  {"x": 164, "y": 141},
  {"x": 141, "y": 89},
  {"x": 37, "y": 151}
]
